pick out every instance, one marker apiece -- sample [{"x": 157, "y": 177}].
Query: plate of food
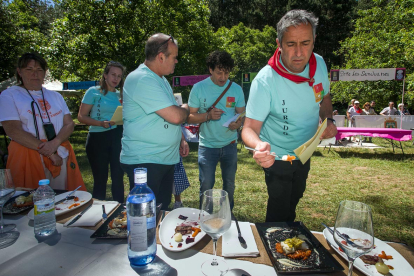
[
  {"x": 180, "y": 229},
  {"x": 294, "y": 250},
  {"x": 80, "y": 199},
  {"x": 382, "y": 258},
  {"x": 115, "y": 226},
  {"x": 19, "y": 203}
]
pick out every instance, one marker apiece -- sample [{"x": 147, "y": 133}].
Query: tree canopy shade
[
  {"x": 91, "y": 33},
  {"x": 383, "y": 38}
]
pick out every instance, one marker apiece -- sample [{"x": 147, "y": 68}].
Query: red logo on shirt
[
  {"x": 42, "y": 105},
  {"x": 231, "y": 102}
]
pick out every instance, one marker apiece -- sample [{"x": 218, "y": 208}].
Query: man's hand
[
  {"x": 49, "y": 147},
  {"x": 184, "y": 148},
  {"x": 330, "y": 131},
  {"x": 215, "y": 114},
  {"x": 262, "y": 156},
  {"x": 56, "y": 160},
  {"x": 237, "y": 124}
]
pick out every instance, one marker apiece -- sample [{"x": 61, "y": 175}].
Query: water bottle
[
  {"x": 141, "y": 216},
  {"x": 44, "y": 209}
]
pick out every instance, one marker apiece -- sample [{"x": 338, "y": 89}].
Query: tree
[
  {"x": 91, "y": 33},
  {"x": 383, "y": 38}
]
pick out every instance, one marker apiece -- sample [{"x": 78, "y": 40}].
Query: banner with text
[
  {"x": 188, "y": 80},
  {"x": 385, "y": 74}
]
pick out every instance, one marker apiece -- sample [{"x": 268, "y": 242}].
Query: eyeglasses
[{"x": 172, "y": 39}]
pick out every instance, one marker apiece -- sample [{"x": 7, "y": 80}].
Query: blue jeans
[{"x": 207, "y": 163}]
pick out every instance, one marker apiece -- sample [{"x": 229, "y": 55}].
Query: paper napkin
[
  {"x": 93, "y": 215},
  {"x": 231, "y": 246}
]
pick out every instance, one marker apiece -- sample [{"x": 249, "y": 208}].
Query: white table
[{"x": 71, "y": 251}]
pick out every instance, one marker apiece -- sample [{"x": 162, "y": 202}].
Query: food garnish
[
  {"x": 182, "y": 217},
  {"x": 369, "y": 259},
  {"x": 294, "y": 248},
  {"x": 22, "y": 201},
  {"x": 196, "y": 231},
  {"x": 73, "y": 205},
  {"x": 381, "y": 267},
  {"x": 385, "y": 256},
  {"x": 118, "y": 226},
  {"x": 178, "y": 237},
  {"x": 289, "y": 158},
  {"x": 189, "y": 240}
]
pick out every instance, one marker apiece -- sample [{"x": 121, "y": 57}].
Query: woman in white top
[{"x": 39, "y": 123}]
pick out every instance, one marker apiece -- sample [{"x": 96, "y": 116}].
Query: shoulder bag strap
[{"x": 214, "y": 104}]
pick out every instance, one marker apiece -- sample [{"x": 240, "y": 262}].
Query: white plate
[
  {"x": 167, "y": 228},
  {"x": 84, "y": 198},
  {"x": 401, "y": 266}
]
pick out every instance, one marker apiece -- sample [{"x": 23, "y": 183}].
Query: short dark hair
[
  {"x": 158, "y": 43},
  {"x": 221, "y": 60},
  {"x": 24, "y": 60}
]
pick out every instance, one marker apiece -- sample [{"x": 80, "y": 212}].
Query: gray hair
[
  {"x": 296, "y": 18},
  {"x": 158, "y": 43}
]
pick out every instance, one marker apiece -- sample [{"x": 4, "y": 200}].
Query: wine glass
[
  {"x": 354, "y": 232},
  {"x": 215, "y": 220},
  {"x": 6, "y": 192}
]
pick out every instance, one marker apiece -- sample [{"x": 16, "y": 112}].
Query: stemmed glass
[
  {"x": 354, "y": 232},
  {"x": 215, "y": 220}
]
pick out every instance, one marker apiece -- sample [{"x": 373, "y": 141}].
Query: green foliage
[
  {"x": 383, "y": 38},
  {"x": 93, "y": 32},
  {"x": 250, "y": 48}
]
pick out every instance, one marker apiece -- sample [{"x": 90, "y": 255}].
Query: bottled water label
[
  {"x": 44, "y": 208},
  {"x": 138, "y": 233},
  {"x": 150, "y": 222},
  {"x": 140, "y": 178}
]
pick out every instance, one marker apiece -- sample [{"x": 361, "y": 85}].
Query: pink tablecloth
[{"x": 389, "y": 133}]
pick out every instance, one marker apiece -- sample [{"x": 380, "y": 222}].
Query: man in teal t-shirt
[
  {"x": 152, "y": 135},
  {"x": 287, "y": 97},
  {"x": 217, "y": 142}
]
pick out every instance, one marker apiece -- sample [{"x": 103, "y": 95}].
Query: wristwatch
[{"x": 332, "y": 120}]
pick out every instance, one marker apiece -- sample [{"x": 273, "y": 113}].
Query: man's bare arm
[
  {"x": 325, "y": 111},
  {"x": 174, "y": 114}
]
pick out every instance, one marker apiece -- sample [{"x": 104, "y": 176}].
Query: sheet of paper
[
  {"x": 305, "y": 151},
  {"x": 234, "y": 118},
  {"x": 117, "y": 117}
]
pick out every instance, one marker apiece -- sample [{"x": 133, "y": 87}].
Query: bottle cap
[{"x": 44, "y": 182}]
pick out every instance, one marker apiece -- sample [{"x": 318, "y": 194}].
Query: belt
[{"x": 232, "y": 142}]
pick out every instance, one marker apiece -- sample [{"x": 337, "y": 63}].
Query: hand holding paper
[
  {"x": 234, "y": 118},
  {"x": 117, "y": 117},
  {"x": 305, "y": 151}
]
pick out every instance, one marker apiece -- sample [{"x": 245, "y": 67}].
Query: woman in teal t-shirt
[{"x": 103, "y": 145}]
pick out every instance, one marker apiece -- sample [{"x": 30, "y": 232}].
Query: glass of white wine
[
  {"x": 6, "y": 192},
  {"x": 215, "y": 220},
  {"x": 354, "y": 232}
]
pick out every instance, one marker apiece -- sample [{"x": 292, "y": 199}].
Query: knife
[
  {"x": 341, "y": 236},
  {"x": 241, "y": 239},
  {"x": 68, "y": 196},
  {"x": 79, "y": 216}
]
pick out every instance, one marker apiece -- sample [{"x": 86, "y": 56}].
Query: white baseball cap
[{"x": 356, "y": 102}]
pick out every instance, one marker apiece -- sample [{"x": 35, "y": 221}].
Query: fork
[
  {"x": 342, "y": 236},
  {"x": 104, "y": 215}
]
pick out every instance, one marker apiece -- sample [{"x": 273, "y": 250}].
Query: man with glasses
[
  {"x": 390, "y": 110},
  {"x": 217, "y": 142},
  {"x": 287, "y": 97},
  {"x": 152, "y": 136}
]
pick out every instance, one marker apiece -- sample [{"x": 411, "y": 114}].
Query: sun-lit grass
[{"x": 378, "y": 177}]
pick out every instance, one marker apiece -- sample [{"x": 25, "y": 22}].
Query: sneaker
[{"x": 178, "y": 204}]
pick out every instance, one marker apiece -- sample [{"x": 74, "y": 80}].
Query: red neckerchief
[
  {"x": 278, "y": 67},
  {"x": 357, "y": 109}
]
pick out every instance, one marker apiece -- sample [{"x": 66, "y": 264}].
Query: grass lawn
[{"x": 378, "y": 177}]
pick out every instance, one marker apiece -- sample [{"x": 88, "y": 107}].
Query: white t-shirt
[{"x": 15, "y": 104}]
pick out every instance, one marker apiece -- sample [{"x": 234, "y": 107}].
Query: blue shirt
[
  {"x": 289, "y": 111},
  {"x": 204, "y": 93},
  {"x": 147, "y": 137},
  {"x": 103, "y": 107}
]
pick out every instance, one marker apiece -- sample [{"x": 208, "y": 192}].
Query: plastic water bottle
[
  {"x": 141, "y": 216},
  {"x": 44, "y": 209}
]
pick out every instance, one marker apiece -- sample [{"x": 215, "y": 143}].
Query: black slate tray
[
  {"x": 320, "y": 261},
  {"x": 8, "y": 208},
  {"x": 101, "y": 232}
]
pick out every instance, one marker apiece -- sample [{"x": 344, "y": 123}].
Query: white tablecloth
[{"x": 72, "y": 252}]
